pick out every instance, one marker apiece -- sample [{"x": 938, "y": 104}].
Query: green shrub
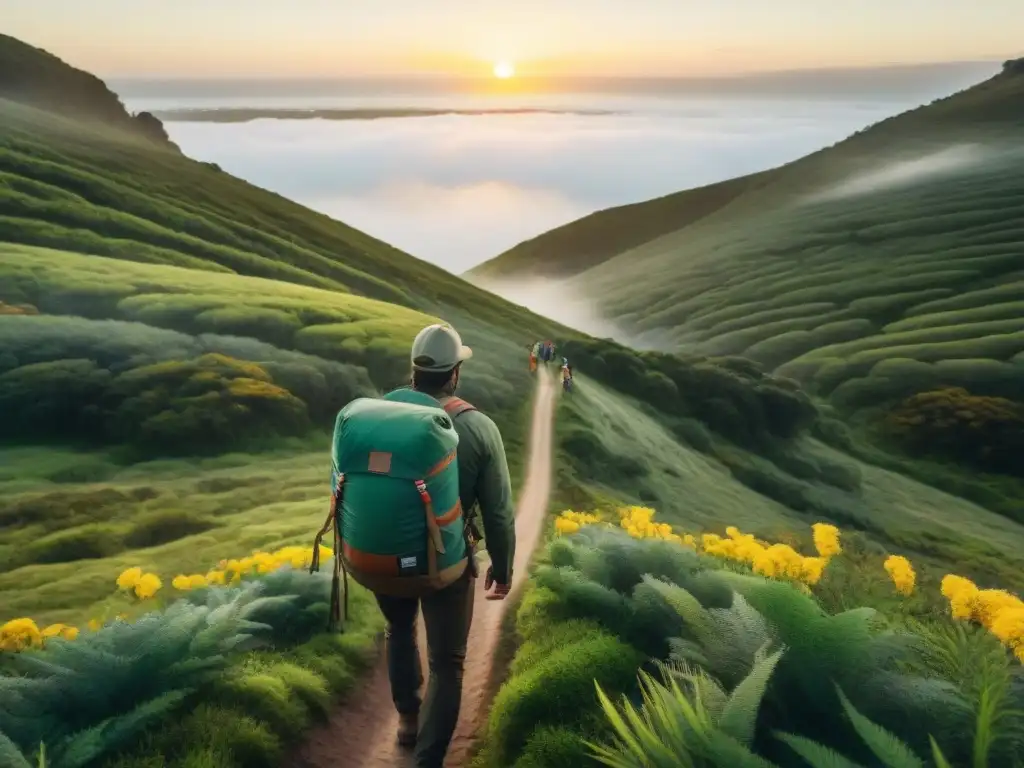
[
  {"x": 987, "y": 432},
  {"x": 733, "y": 397},
  {"x": 56, "y": 510},
  {"x": 85, "y": 542},
  {"x": 555, "y": 747},
  {"x": 555, "y": 692},
  {"x": 90, "y": 697},
  {"x": 162, "y": 527},
  {"x": 553, "y": 636}
]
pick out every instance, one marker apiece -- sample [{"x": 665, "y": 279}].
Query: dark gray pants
[{"x": 447, "y": 615}]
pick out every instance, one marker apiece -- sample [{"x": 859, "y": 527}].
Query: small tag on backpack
[
  {"x": 380, "y": 462},
  {"x": 406, "y": 565}
]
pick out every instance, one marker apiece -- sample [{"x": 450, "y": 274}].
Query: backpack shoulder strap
[{"x": 456, "y": 406}]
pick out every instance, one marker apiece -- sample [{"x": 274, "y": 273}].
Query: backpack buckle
[{"x": 422, "y": 488}]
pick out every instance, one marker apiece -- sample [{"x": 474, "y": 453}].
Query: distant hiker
[
  {"x": 534, "y": 354},
  {"x": 407, "y": 481},
  {"x": 566, "y": 375}
]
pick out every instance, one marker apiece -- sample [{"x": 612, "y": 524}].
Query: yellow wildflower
[
  {"x": 1009, "y": 628},
  {"x": 181, "y": 582},
  {"x": 60, "y": 630},
  {"x": 765, "y": 565},
  {"x": 148, "y": 586},
  {"x": 216, "y": 577},
  {"x": 94, "y": 625},
  {"x": 129, "y": 578},
  {"x": 265, "y": 562},
  {"x": 296, "y": 557},
  {"x": 709, "y": 540},
  {"x": 962, "y": 604},
  {"x": 902, "y": 574},
  {"x": 953, "y": 585},
  {"x": 826, "y": 539},
  {"x": 196, "y": 581},
  {"x": 812, "y": 569},
  {"x": 565, "y": 526},
  {"x": 791, "y": 562},
  {"x": 689, "y": 540},
  {"x": 746, "y": 548},
  {"x": 18, "y": 634},
  {"x": 989, "y": 603}
]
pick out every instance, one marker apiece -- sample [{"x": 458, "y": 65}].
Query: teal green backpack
[{"x": 395, "y": 510}]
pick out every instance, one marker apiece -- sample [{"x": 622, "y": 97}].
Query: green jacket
[{"x": 484, "y": 483}]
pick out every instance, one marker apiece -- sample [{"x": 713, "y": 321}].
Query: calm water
[{"x": 457, "y": 190}]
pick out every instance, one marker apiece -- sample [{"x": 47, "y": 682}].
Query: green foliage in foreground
[
  {"x": 737, "y": 660},
  {"x": 251, "y": 655}
]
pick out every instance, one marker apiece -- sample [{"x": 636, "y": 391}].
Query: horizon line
[{"x": 421, "y": 75}]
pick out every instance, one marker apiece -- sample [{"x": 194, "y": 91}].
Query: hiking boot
[{"x": 408, "y": 725}]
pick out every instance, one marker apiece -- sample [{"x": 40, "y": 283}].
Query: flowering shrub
[
  {"x": 1000, "y": 612},
  {"x": 23, "y": 633},
  {"x": 902, "y": 574},
  {"x": 766, "y": 559},
  {"x": 771, "y": 658},
  {"x": 127, "y": 684}
]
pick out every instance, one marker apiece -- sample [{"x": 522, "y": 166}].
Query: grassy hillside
[
  {"x": 991, "y": 109},
  {"x": 580, "y": 245},
  {"x": 722, "y": 452},
  {"x": 885, "y": 268},
  {"x": 81, "y": 180}
]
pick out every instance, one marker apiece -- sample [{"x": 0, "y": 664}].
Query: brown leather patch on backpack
[{"x": 380, "y": 462}]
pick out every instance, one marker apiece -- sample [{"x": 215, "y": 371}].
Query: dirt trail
[{"x": 361, "y": 732}]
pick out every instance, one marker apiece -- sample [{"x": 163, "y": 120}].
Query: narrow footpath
[{"x": 361, "y": 731}]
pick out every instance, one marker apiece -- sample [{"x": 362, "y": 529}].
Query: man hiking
[
  {"x": 534, "y": 356},
  {"x": 409, "y": 470},
  {"x": 566, "y": 375}
]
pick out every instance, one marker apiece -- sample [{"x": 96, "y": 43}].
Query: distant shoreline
[{"x": 245, "y": 115}]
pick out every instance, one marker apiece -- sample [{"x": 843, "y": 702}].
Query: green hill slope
[
  {"x": 37, "y": 78},
  {"x": 76, "y": 174},
  {"x": 992, "y": 109},
  {"x": 889, "y": 265}
]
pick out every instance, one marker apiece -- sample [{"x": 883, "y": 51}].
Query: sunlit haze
[{"x": 326, "y": 38}]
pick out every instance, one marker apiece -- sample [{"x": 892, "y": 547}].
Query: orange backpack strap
[{"x": 456, "y": 406}]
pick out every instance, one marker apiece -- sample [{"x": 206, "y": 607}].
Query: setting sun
[{"x": 504, "y": 70}]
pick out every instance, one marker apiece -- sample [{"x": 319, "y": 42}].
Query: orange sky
[{"x": 324, "y": 38}]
